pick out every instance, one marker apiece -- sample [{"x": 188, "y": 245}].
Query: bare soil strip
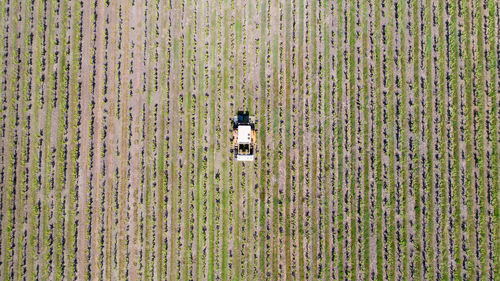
[
  {"x": 97, "y": 139},
  {"x": 124, "y": 77}
]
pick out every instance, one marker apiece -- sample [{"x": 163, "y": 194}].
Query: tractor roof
[{"x": 244, "y": 134}]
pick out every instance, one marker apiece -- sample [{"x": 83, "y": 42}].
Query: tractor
[{"x": 244, "y": 136}]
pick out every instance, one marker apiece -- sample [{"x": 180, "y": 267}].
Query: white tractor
[{"x": 243, "y": 136}]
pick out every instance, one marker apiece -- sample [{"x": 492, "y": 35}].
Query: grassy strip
[
  {"x": 187, "y": 65},
  {"x": 482, "y": 158},
  {"x": 247, "y": 186},
  {"x": 366, "y": 145},
  {"x": 211, "y": 151},
  {"x": 455, "y": 137},
  {"x": 288, "y": 136},
  {"x": 353, "y": 252},
  {"x": 300, "y": 124},
  {"x": 200, "y": 162},
  {"x": 314, "y": 149},
  {"x": 34, "y": 182},
  {"x": 8, "y": 192},
  {"x": 236, "y": 167},
  {"x": 174, "y": 136},
  {"x": 429, "y": 111},
  {"x": 236, "y": 274},
  {"x": 60, "y": 152},
  {"x": 444, "y": 262},
  {"x": 378, "y": 126},
  {"x": 340, "y": 141},
  {"x": 48, "y": 88},
  {"x": 416, "y": 130},
  {"x": 493, "y": 94},
  {"x": 231, "y": 170},
  {"x": 152, "y": 35},
  {"x": 326, "y": 274},
  {"x": 161, "y": 250},
  {"x": 250, "y": 192},
  {"x": 469, "y": 145},
  {"x": 225, "y": 137},
  {"x": 23, "y": 111},
  {"x": 173, "y": 164}
]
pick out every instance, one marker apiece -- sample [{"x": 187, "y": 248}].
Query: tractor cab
[{"x": 243, "y": 136}]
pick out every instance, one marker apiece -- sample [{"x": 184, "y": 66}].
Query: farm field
[{"x": 377, "y": 140}]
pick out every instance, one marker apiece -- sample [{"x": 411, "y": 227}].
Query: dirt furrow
[{"x": 123, "y": 93}]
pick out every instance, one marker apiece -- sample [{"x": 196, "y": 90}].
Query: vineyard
[{"x": 377, "y": 153}]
